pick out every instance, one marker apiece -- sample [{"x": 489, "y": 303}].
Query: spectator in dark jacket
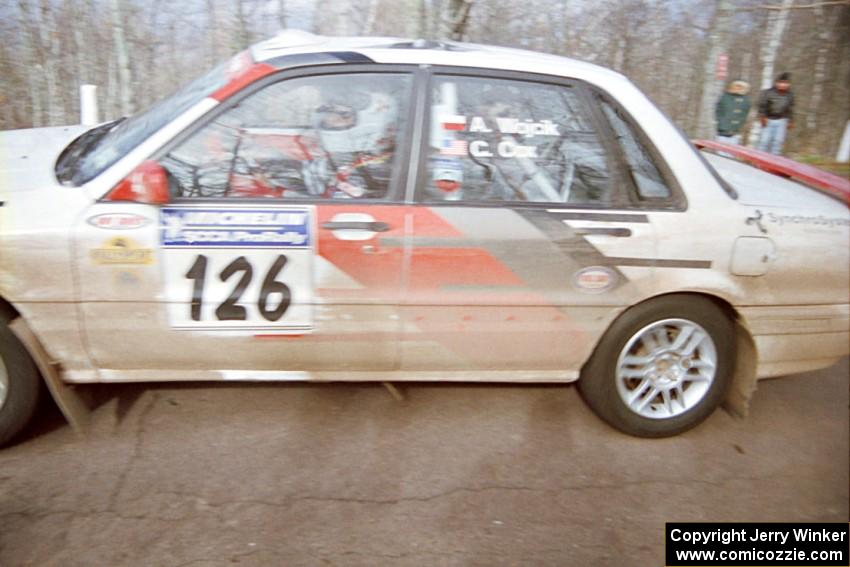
[
  {"x": 731, "y": 112},
  {"x": 776, "y": 114}
]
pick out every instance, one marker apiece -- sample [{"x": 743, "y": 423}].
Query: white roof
[
  {"x": 678, "y": 153},
  {"x": 421, "y": 52}
]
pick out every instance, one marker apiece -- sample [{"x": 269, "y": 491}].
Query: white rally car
[{"x": 329, "y": 209}]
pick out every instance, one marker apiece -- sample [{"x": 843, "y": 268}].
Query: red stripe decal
[
  {"x": 835, "y": 185},
  {"x": 242, "y": 79}
]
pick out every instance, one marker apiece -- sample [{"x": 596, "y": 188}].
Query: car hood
[
  {"x": 760, "y": 188},
  {"x": 28, "y": 157}
]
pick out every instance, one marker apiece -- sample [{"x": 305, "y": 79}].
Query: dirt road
[{"x": 455, "y": 475}]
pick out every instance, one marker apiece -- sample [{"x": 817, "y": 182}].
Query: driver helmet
[{"x": 356, "y": 122}]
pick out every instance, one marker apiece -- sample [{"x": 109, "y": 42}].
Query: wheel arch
[
  {"x": 744, "y": 376},
  {"x": 7, "y": 311},
  {"x": 72, "y": 406}
]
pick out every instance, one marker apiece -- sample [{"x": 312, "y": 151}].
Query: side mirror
[{"x": 148, "y": 184}]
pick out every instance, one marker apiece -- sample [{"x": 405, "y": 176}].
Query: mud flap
[
  {"x": 70, "y": 403},
  {"x": 744, "y": 380}
]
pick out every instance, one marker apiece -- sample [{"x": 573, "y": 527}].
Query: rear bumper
[{"x": 800, "y": 338}]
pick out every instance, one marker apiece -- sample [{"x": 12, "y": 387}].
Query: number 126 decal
[
  {"x": 230, "y": 310},
  {"x": 255, "y": 291}
]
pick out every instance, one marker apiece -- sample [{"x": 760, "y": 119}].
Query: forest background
[{"x": 680, "y": 52}]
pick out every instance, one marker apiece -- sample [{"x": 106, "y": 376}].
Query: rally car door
[
  {"x": 526, "y": 244},
  {"x": 268, "y": 262}
]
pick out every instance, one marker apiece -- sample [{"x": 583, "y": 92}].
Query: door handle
[
  {"x": 373, "y": 226},
  {"x": 617, "y": 232}
]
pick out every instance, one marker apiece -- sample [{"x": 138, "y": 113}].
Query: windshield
[{"x": 98, "y": 149}]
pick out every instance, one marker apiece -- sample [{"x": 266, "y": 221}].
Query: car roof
[{"x": 425, "y": 52}]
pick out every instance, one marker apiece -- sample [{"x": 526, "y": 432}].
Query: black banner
[{"x": 757, "y": 544}]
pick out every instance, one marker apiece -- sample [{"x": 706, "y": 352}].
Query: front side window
[
  {"x": 331, "y": 136},
  {"x": 515, "y": 141}
]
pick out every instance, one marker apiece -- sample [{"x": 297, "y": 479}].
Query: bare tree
[
  {"x": 371, "y": 17},
  {"x": 281, "y": 14},
  {"x": 669, "y": 49},
  {"x": 241, "y": 36},
  {"x": 125, "y": 88},
  {"x": 35, "y": 78},
  {"x": 336, "y": 17},
  {"x": 776, "y": 22},
  {"x": 454, "y": 19},
  {"x": 824, "y": 31},
  {"x": 712, "y": 86}
]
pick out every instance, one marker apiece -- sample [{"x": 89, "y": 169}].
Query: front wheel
[
  {"x": 662, "y": 367},
  {"x": 19, "y": 385}
]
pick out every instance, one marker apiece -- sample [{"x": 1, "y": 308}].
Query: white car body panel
[
  {"x": 24, "y": 153},
  {"x": 99, "y": 321},
  {"x": 104, "y": 182}
]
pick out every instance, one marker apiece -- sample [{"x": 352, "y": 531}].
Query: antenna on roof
[{"x": 426, "y": 44}]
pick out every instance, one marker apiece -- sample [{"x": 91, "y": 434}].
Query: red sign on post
[{"x": 722, "y": 67}]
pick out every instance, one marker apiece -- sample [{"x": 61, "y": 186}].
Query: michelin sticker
[
  {"x": 235, "y": 227},
  {"x": 241, "y": 270}
]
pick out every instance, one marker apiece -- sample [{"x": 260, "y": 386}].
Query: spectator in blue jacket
[{"x": 776, "y": 114}]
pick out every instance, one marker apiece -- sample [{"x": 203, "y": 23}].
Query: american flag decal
[{"x": 452, "y": 147}]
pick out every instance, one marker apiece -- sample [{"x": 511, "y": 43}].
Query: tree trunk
[
  {"x": 333, "y": 17},
  {"x": 34, "y": 58},
  {"x": 455, "y": 17},
  {"x": 125, "y": 92},
  {"x": 82, "y": 12},
  {"x": 48, "y": 44},
  {"x": 371, "y": 16},
  {"x": 823, "y": 31},
  {"x": 776, "y": 23},
  {"x": 213, "y": 39},
  {"x": 241, "y": 39},
  {"x": 112, "y": 108},
  {"x": 422, "y": 23},
  {"x": 281, "y": 14},
  {"x": 711, "y": 86}
]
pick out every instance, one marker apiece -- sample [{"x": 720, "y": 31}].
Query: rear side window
[
  {"x": 513, "y": 141},
  {"x": 648, "y": 180}
]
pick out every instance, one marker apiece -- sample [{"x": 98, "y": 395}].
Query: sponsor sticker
[
  {"x": 451, "y": 147},
  {"x": 239, "y": 269},
  {"x": 453, "y": 122},
  {"x": 118, "y": 221},
  {"x": 121, "y": 250},
  {"x": 504, "y": 149},
  {"x": 448, "y": 174},
  {"x": 235, "y": 227},
  {"x": 595, "y": 279}
]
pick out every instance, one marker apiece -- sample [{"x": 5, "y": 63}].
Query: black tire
[
  {"x": 598, "y": 383},
  {"x": 24, "y": 384}
]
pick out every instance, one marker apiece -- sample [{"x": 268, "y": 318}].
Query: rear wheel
[
  {"x": 662, "y": 367},
  {"x": 19, "y": 385}
]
